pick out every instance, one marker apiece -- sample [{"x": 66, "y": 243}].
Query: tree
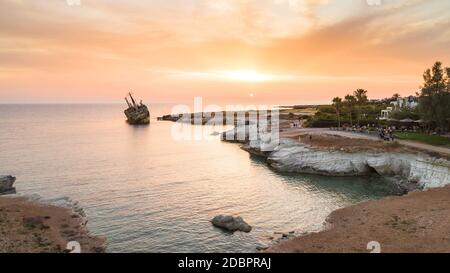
[
  {"x": 447, "y": 71},
  {"x": 337, "y": 104},
  {"x": 350, "y": 102},
  {"x": 434, "y": 99},
  {"x": 405, "y": 113},
  {"x": 395, "y": 96},
  {"x": 361, "y": 99}
]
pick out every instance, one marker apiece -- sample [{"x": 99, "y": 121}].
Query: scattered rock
[
  {"x": 262, "y": 248},
  {"x": 6, "y": 184},
  {"x": 231, "y": 223},
  {"x": 285, "y": 234},
  {"x": 277, "y": 236}
]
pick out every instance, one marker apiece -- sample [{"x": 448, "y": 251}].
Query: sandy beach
[
  {"x": 414, "y": 223},
  {"x": 28, "y": 227}
]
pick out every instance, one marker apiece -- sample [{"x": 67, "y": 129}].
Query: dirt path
[
  {"x": 294, "y": 132},
  {"x": 426, "y": 147},
  {"x": 408, "y": 143}
]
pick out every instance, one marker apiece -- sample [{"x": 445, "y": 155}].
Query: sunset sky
[{"x": 228, "y": 51}]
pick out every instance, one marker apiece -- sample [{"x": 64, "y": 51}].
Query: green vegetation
[
  {"x": 305, "y": 111},
  {"x": 350, "y": 102},
  {"x": 433, "y": 109},
  {"x": 434, "y": 99},
  {"x": 348, "y": 109},
  {"x": 425, "y": 138},
  {"x": 361, "y": 101},
  {"x": 337, "y": 104},
  {"x": 406, "y": 114}
]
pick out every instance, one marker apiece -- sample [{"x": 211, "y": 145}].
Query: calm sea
[{"x": 147, "y": 192}]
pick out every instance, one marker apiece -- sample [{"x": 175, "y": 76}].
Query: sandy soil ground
[
  {"x": 407, "y": 143},
  {"x": 320, "y": 139},
  {"x": 331, "y": 142},
  {"x": 353, "y": 142},
  {"x": 33, "y": 227},
  {"x": 417, "y": 222}
]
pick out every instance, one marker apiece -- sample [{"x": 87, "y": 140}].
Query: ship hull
[{"x": 137, "y": 116}]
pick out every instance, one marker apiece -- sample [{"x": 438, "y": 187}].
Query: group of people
[
  {"x": 297, "y": 123},
  {"x": 387, "y": 134}
]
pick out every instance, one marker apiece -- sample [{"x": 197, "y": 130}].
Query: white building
[
  {"x": 406, "y": 102},
  {"x": 385, "y": 113},
  {"x": 401, "y": 103}
]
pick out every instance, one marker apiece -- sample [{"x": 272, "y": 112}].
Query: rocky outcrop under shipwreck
[{"x": 410, "y": 170}]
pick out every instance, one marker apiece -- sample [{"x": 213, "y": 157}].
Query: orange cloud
[{"x": 307, "y": 51}]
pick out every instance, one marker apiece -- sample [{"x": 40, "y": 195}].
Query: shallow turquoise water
[{"x": 149, "y": 193}]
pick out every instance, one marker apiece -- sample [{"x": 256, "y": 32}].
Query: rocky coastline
[
  {"x": 399, "y": 224},
  {"x": 411, "y": 170}
]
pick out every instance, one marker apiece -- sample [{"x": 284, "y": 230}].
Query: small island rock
[{"x": 231, "y": 223}]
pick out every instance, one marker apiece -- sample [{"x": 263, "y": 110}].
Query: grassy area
[
  {"x": 428, "y": 139},
  {"x": 300, "y": 111}
]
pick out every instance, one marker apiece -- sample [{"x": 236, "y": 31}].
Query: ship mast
[
  {"x": 132, "y": 99},
  {"x": 128, "y": 103}
]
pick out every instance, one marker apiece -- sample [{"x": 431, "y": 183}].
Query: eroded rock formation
[
  {"x": 410, "y": 170},
  {"x": 425, "y": 171}
]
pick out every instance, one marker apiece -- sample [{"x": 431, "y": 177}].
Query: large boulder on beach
[
  {"x": 231, "y": 223},
  {"x": 6, "y": 184}
]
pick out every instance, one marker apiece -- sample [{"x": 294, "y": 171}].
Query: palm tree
[
  {"x": 361, "y": 99},
  {"x": 337, "y": 103},
  {"x": 350, "y": 102}
]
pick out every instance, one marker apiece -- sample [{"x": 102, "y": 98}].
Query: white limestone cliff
[{"x": 421, "y": 170}]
